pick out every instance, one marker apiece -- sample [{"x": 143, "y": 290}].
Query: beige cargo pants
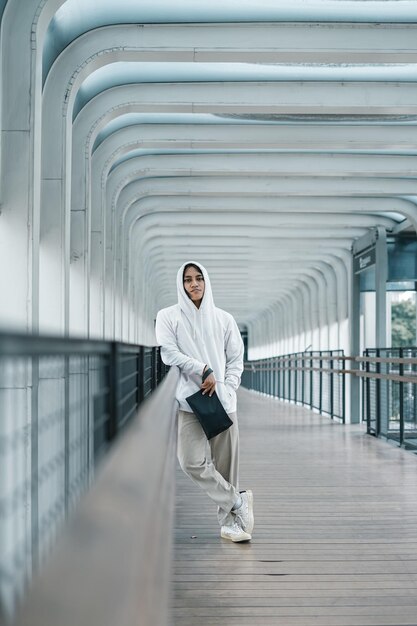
[{"x": 213, "y": 465}]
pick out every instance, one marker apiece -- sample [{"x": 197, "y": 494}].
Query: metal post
[
  {"x": 66, "y": 433},
  {"x": 34, "y": 500},
  {"x": 401, "y": 392},
  {"x": 354, "y": 318},
  {"x": 158, "y": 365},
  {"x": 279, "y": 377},
  {"x": 294, "y": 378},
  {"x": 153, "y": 369},
  {"x": 344, "y": 398},
  {"x": 378, "y": 396},
  {"x": 114, "y": 394},
  {"x": 311, "y": 380},
  {"x": 331, "y": 386},
  {"x": 381, "y": 277},
  {"x": 140, "y": 375},
  {"x": 320, "y": 383},
  {"x": 368, "y": 396},
  {"x": 302, "y": 377}
]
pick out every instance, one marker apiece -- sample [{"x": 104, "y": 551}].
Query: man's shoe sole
[{"x": 243, "y": 537}]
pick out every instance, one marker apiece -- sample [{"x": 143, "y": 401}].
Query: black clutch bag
[{"x": 209, "y": 411}]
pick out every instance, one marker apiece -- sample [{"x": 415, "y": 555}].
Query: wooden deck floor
[{"x": 335, "y": 539}]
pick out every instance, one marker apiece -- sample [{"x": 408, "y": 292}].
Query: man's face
[{"x": 194, "y": 285}]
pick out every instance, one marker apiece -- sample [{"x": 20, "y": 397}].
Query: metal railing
[
  {"x": 389, "y": 393},
  {"x": 313, "y": 379},
  {"x": 318, "y": 380},
  {"x": 62, "y": 403},
  {"x": 112, "y": 563}
]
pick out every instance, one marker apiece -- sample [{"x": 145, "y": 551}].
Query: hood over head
[{"x": 187, "y": 305}]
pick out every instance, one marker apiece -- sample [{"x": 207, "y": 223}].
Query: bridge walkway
[{"x": 335, "y": 539}]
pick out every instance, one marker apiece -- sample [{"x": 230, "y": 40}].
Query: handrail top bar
[
  {"x": 20, "y": 344},
  {"x": 409, "y": 377},
  {"x": 300, "y": 357},
  {"x": 303, "y": 357},
  {"x": 380, "y": 359}
]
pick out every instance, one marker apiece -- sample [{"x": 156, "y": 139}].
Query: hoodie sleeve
[
  {"x": 170, "y": 353},
  {"x": 234, "y": 355}
]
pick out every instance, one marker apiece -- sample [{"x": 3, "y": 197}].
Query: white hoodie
[{"x": 191, "y": 338}]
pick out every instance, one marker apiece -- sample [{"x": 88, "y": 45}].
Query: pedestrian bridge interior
[{"x": 275, "y": 143}]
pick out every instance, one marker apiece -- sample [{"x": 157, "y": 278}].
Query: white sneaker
[
  {"x": 234, "y": 532},
  {"x": 244, "y": 514}
]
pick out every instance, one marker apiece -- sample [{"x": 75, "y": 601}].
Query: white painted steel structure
[{"x": 260, "y": 139}]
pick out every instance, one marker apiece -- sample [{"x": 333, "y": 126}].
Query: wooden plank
[
  {"x": 335, "y": 539},
  {"x": 301, "y": 601},
  {"x": 302, "y": 621},
  {"x": 344, "y": 620}
]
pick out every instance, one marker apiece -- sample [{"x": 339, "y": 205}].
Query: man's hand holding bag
[{"x": 209, "y": 411}]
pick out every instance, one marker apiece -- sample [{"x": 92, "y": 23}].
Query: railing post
[
  {"x": 114, "y": 393},
  {"x": 279, "y": 377},
  {"x": 331, "y": 386},
  {"x": 154, "y": 368},
  {"x": 67, "y": 432},
  {"x": 368, "y": 396},
  {"x": 343, "y": 392},
  {"x": 275, "y": 373},
  {"x": 158, "y": 366},
  {"x": 153, "y": 372},
  {"x": 302, "y": 377},
  {"x": 378, "y": 396},
  {"x": 34, "y": 458},
  {"x": 295, "y": 376},
  {"x": 311, "y": 380},
  {"x": 140, "y": 375},
  {"x": 320, "y": 383},
  {"x": 286, "y": 383},
  {"x": 401, "y": 392}
]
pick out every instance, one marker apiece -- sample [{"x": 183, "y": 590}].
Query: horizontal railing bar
[
  {"x": 310, "y": 356},
  {"x": 123, "y": 379},
  {"x": 330, "y": 371},
  {"x": 404, "y": 361},
  {"x": 101, "y": 421},
  {"x": 32, "y": 345},
  {"x": 300, "y": 369},
  {"x": 102, "y": 391},
  {"x": 127, "y": 396},
  {"x": 131, "y": 356},
  {"x": 128, "y": 416},
  {"x": 380, "y": 359},
  {"x": 393, "y": 377}
]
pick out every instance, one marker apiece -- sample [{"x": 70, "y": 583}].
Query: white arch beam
[
  {"x": 258, "y": 163},
  {"x": 387, "y": 136},
  {"x": 274, "y": 42}
]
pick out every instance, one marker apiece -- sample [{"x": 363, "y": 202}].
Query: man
[{"x": 195, "y": 335}]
